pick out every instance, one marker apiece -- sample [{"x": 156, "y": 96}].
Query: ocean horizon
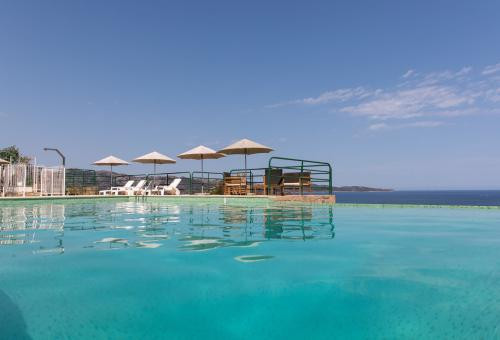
[{"x": 422, "y": 197}]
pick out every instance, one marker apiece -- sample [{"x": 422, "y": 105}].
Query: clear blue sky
[{"x": 401, "y": 94}]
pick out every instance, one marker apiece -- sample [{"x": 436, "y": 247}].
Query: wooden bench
[
  {"x": 235, "y": 185},
  {"x": 297, "y": 180}
]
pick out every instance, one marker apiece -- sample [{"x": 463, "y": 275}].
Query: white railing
[
  {"x": 28, "y": 179},
  {"x": 14, "y": 179},
  {"x": 52, "y": 181}
]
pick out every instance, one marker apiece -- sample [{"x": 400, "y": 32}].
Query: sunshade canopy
[
  {"x": 111, "y": 160},
  {"x": 200, "y": 152},
  {"x": 3, "y": 161},
  {"x": 245, "y": 147},
  {"x": 154, "y": 158}
]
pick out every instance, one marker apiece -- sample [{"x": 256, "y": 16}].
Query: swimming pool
[{"x": 247, "y": 269}]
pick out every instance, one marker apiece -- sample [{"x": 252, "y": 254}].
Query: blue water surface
[
  {"x": 425, "y": 197},
  {"x": 163, "y": 268}
]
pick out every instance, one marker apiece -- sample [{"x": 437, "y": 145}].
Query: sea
[{"x": 423, "y": 197}]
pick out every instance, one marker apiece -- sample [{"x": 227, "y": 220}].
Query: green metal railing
[
  {"x": 321, "y": 170},
  {"x": 81, "y": 182},
  {"x": 312, "y": 174},
  {"x": 191, "y": 183},
  {"x": 207, "y": 181}
]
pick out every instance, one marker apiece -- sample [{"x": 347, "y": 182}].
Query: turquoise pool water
[{"x": 119, "y": 269}]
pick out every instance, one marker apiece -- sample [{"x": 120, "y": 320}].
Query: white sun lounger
[
  {"x": 115, "y": 190},
  {"x": 170, "y": 189},
  {"x": 138, "y": 189}
]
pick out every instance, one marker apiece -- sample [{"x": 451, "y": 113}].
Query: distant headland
[{"x": 357, "y": 188}]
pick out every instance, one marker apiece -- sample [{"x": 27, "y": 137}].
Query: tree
[{"x": 13, "y": 155}]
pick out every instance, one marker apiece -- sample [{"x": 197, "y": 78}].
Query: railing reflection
[
  {"x": 190, "y": 227},
  {"x": 25, "y": 225}
]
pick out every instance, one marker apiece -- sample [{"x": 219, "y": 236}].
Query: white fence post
[
  {"x": 23, "y": 182},
  {"x": 1, "y": 181},
  {"x": 51, "y": 182},
  {"x": 64, "y": 182}
]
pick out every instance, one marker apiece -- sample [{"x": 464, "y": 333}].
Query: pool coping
[
  {"x": 290, "y": 199},
  {"x": 322, "y": 199}
]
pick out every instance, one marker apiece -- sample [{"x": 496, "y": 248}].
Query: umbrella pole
[
  {"x": 202, "y": 174},
  {"x": 246, "y": 173},
  {"x": 154, "y": 174},
  {"x": 111, "y": 177}
]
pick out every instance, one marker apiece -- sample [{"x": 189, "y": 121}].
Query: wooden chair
[
  {"x": 235, "y": 185},
  {"x": 271, "y": 182},
  {"x": 297, "y": 180}
]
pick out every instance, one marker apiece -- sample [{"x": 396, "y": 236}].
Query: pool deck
[{"x": 316, "y": 199}]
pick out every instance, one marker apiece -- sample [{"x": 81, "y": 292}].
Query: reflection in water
[
  {"x": 22, "y": 224},
  {"x": 297, "y": 223},
  {"x": 189, "y": 227},
  {"x": 253, "y": 258},
  {"x": 12, "y": 324},
  {"x": 113, "y": 242}
]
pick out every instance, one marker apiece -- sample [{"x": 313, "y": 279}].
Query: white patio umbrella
[
  {"x": 245, "y": 147},
  {"x": 111, "y": 161},
  {"x": 201, "y": 152},
  {"x": 154, "y": 158},
  {"x": 3, "y": 161}
]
